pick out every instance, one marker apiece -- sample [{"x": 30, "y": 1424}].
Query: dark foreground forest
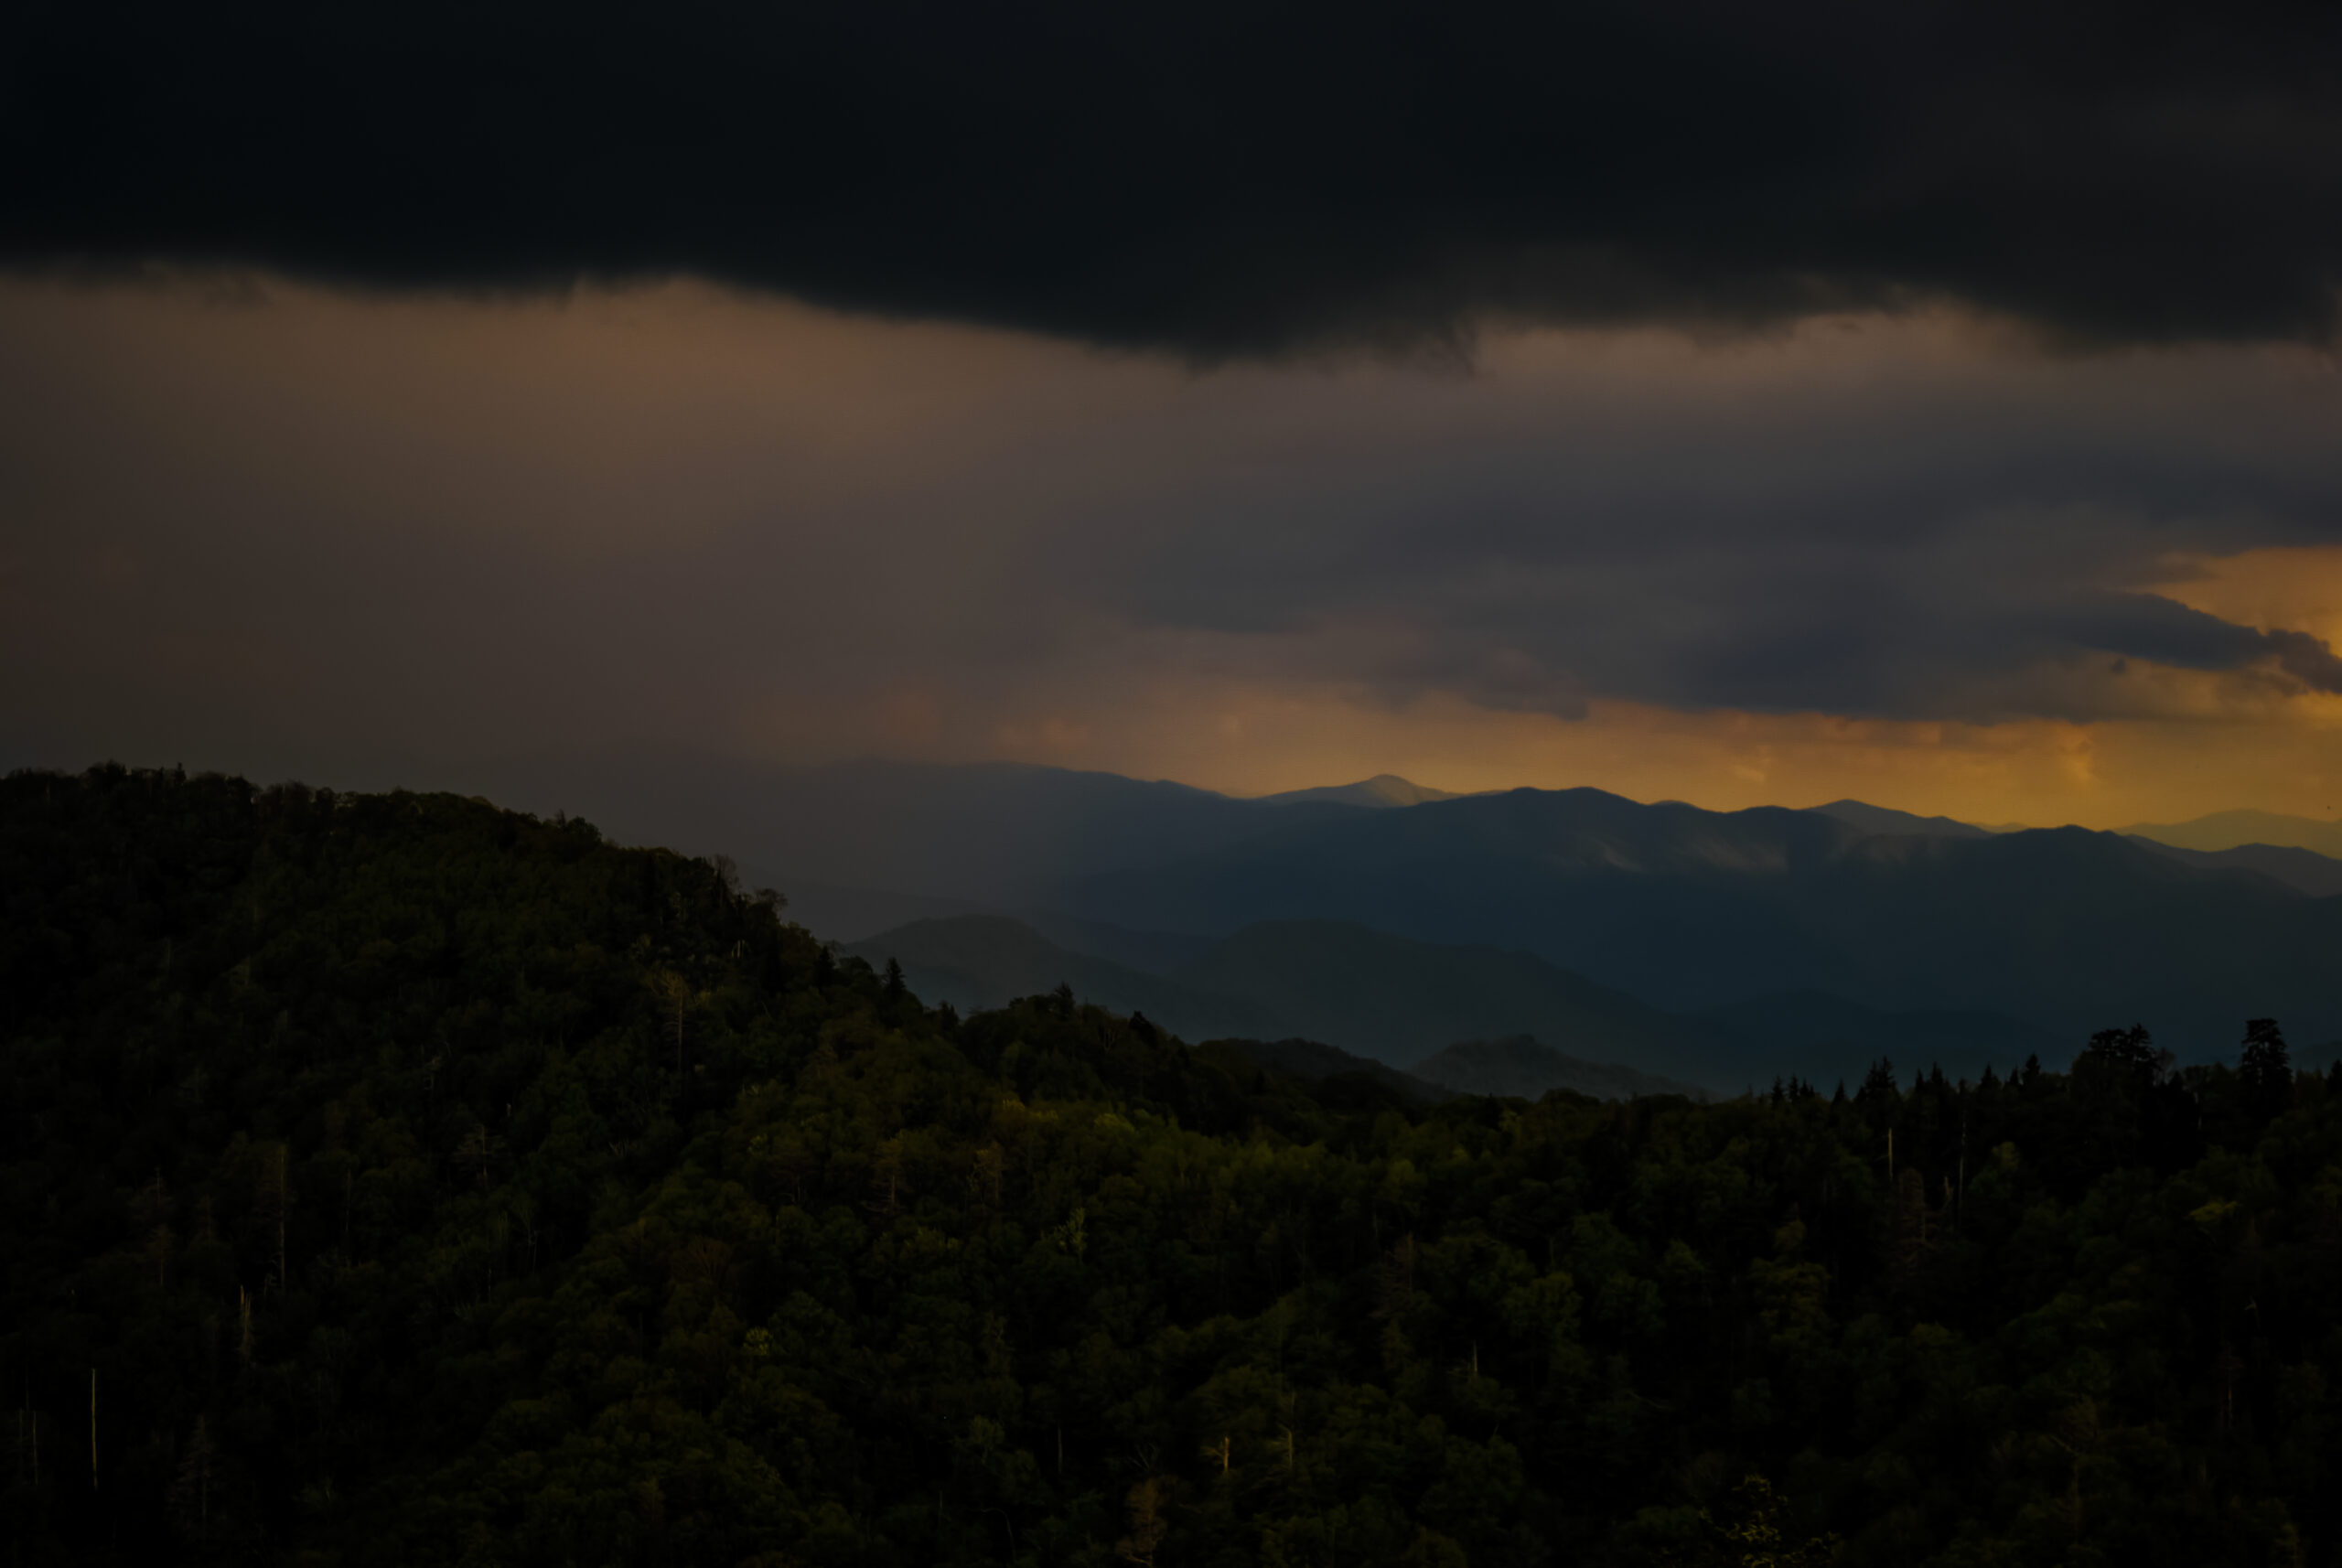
[{"x": 396, "y": 1180}]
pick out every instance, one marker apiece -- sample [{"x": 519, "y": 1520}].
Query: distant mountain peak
[
  {"x": 1382, "y": 791},
  {"x": 1873, "y": 819}
]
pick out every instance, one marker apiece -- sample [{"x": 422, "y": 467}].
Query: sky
[{"x": 1941, "y": 411}]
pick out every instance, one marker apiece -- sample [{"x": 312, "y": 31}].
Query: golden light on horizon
[{"x": 2295, "y": 586}]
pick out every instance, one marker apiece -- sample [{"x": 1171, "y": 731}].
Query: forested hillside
[{"x": 395, "y": 1180}]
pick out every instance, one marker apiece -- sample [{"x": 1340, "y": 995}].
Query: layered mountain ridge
[{"x": 1884, "y": 914}]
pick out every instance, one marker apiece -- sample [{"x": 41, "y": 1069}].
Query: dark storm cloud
[
  {"x": 1908, "y": 540},
  {"x": 1218, "y": 177},
  {"x": 330, "y": 526},
  {"x": 2148, "y": 626}
]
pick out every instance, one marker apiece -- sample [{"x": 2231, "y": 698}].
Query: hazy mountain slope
[
  {"x": 994, "y": 834},
  {"x": 853, "y": 914},
  {"x": 1885, "y": 819},
  {"x": 1520, "y": 1065},
  {"x": 1314, "y": 1062},
  {"x": 996, "y": 831},
  {"x": 1153, "y": 952},
  {"x": 2304, "y": 870},
  {"x": 1381, "y": 997},
  {"x": 1482, "y": 868},
  {"x": 1396, "y": 1000},
  {"x": 1688, "y": 909},
  {"x": 1824, "y": 1039},
  {"x": 2073, "y": 929},
  {"x": 2229, "y": 830},
  {"x": 1678, "y": 905},
  {"x": 1684, "y": 909},
  {"x": 976, "y": 961},
  {"x": 1392, "y": 999},
  {"x": 1384, "y": 790}
]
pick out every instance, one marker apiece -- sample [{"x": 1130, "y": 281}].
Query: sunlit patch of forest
[{"x": 395, "y": 1180}]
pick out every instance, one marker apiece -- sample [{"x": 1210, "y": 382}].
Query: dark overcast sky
[
  {"x": 1929, "y": 401},
  {"x": 1222, "y": 176}
]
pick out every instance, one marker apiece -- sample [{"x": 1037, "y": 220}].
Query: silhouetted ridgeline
[
  {"x": 1950, "y": 938},
  {"x": 427, "y": 1183}
]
